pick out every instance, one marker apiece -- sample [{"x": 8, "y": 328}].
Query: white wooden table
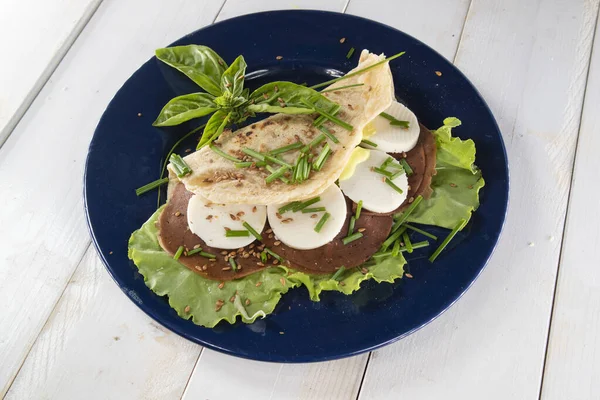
[{"x": 530, "y": 326}]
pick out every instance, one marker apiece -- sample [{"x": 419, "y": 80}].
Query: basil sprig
[{"x": 226, "y": 98}]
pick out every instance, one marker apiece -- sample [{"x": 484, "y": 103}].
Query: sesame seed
[
  {"x": 226, "y": 268},
  {"x": 453, "y": 185},
  {"x": 277, "y": 243},
  {"x": 219, "y": 305},
  {"x": 240, "y": 214},
  {"x": 279, "y": 57},
  {"x": 199, "y": 268},
  {"x": 275, "y": 262},
  {"x": 258, "y": 283},
  {"x": 265, "y": 96},
  {"x": 314, "y": 216},
  {"x": 269, "y": 231},
  {"x": 232, "y": 254},
  {"x": 188, "y": 150},
  {"x": 254, "y": 209},
  {"x": 213, "y": 260},
  {"x": 245, "y": 254},
  {"x": 438, "y": 73},
  {"x": 221, "y": 285},
  {"x": 270, "y": 236},
  {"x": 342, "y": 40},
  {"x": 282, "y": 280},
  {"x": 187, "y": 309},
  {"x": 364, "y": 270},
  {"x": 178, "y": 214},
  {"x": 411, "y": 199},
  {"x": 409, "y": 276},
  {"x": 139, "y": 114},
  {"x": 232, "y": 298},
  {"x": 197, "y": 246},
  {"x": 205, "y": 267},
  {"x": 224, "y": 253},
  {"x": 247, "y": 302},
  {"x": 361, "y": 230},
  {"x": 260, "y": 264},
  {"x": 251, "y": 246},
  {"x": 342, "y": 284}
]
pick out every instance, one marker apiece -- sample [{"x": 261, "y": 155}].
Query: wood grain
[
  {"x": 34, "y": 35},
  {"x": 99, "y": 343},
  {"x": 43, "y": 234},
  {"x": 529, "y": 60},
  {"x": 573, "y": 358}
]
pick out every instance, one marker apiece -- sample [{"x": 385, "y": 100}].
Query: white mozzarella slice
[
  {"x": 392, "y": 138},
  {"x": 297, "y": 229},
  {"x": 370, "y": 186},
  {"x": 209, "y": 220}
]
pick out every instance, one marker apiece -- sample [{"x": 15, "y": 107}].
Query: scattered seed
[
  {"x": 411, "y": 199},
  {"x": 409, "y": 276},
  {"x": 188, "y": 150},
  {"x": 219, "y": 305},
  {"x": 342, "y": 40},
  {"x": 453, "y": 185},
  {"x": 245, "y": 254},
  {"x": 139, "y": 114},
  {"x": 287, "y": 220},
  {"x": 226, "y": 268},
  {"x": 232, "y": 254},
  {"x": 251, "y": 246},
  {"x": 364, "y": 270},
  {"x": 205, "y": 267},
  {"x": 277, "y": 243},
  {"x": 178, "y": 214},
  {"x": 224, "y": 252},
  {"x": 209, "y": 217},
  {"x": 240, "y": 214},
  {"x": 260, "y": 283},
  {"x": 232, "y": 298},
  {"x": 260, "y": 264},
  {"x": 213, "y": 260},
  {"x": 196, "y": 246},
  {"x": 278, "y": 215},
  {"x": 270, "y": 236},
  {"x": 254, "y": 209},
  {"x": 282, "y": 280},
  {"x": 314, "y": 216},
  {"x": 221, "y": 285},
  {"x": 342, "y": 284},
  {"x": 438, "y": 73},
  {"x": 279, "y": 57},
  {"x": 269, "y": 230},
  {"x": 110, "y": 252},
  {"x": 186, "y": 309},
  {"x": 199, "y": 268},
  {"x": 361, "y": 230},
  {"x": 247, "y": 302},
  {"x": 275, "y": 262}
]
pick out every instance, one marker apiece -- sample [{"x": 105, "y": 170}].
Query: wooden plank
[
  {"x": 218, "y": 376},
  {"x": 41, "y": 164},
  {"x": 99, "y": 343},
  {"x": 437, "y": 24},
  {"x": 573, "y": 365},
  {"x": 529, "y": 60},
  {"x": 34, "y": 35},
  {"x": 221, "y": 377}
]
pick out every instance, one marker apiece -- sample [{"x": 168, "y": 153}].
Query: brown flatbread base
[
  {"x": 330, "y": 257},
  {"x": 173, "y": 231}
]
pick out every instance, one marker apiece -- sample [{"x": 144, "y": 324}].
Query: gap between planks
[
  {"x": 568, "y": 207},
  {"x": 47, "y": 73}
]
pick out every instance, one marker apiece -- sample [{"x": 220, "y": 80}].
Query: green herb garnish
[
  {"x": 341, "y": 87},
  {"x": 306, "y": 203},
  {"x": 393, "y": 185},
  {"x": 409, "y": 210},
  {"x": 461, "y": 224},
  {"x": 321, "y": 222},
  {"x": 181, "y": 168},
  {"x": 277, "y": 161},
  {"x": 243, "y": 164},
  {"x": 393, "y": 120},
  {"x": 407, "y": 242},
  {"x": 273, "y": 254},
  {"x": 352, "y": 238},
  {"x": 396, "y": 248},
  {"x": 338, "y": 273},
  {"x": 329, "y": 135},
  {"x": 328, "y": 116},
  {"x": 223, "y": 154},
  {"x": 320, "y": 161},
  {"x": 263, "y": 256},
  {"x": 200, "y": 252},
  {"x": 358, "y": 209},
  {"x": 233, "y": 264},
  {"x": 422, "y": 232},
  {"x": 314, "y": 142},
  {"x": 254, "y": 154},
  {"x": 351, "y": 225},
  {"x": 288, "y": 207},
  {"x": 287, "y": 148},
  {"x": 406, "y": 167},
  {"x": 178, "y": 253},
  {"x": 320, "y": 120},
  {"x": 252, "y": 231},
  {"x": 366, "y": 142},
  {"x": 388, "y": 242},
  {"x": 149, "y": 186},
  {"x": 313, "y": 210},
  {"x": 277, "y": 174},
  {"x": 238, "y": 233},
  {"x": 383, "y": 172},
  {"x": 350, "y": 53}
]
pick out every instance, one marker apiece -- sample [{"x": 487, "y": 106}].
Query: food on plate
[{"x": 322, "y": 194}]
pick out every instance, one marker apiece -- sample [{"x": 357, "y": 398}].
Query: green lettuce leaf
[
  {"x": 382, "y": 270},
  {"x": 193, "y": 296},
  {"x": 457, "y": 182}
]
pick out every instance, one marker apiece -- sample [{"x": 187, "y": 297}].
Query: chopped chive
[
  {"x": 287, "y": 148},
  {"x": 200, "y": 252},
  {"x": 406, "y": 167},
  {"x": 396, "y": 248},
  {"x": 403, "y": 124},
  {"x": 393, "y": 185},
  {"x": 383, "y": 172},
  {"x": 263, "y": 256},
  {"x": 341, "y": 87},
  {"x": 277, "y": 174},
  {"x": 330, "y": 117},
  {"x": 422, "y": 232},
  {"x": 368, "y": 143},
  {"x": 178, "y": 253},
  {"x": 397, "y": 174},
  {"x": 313, "y": 210},
  {"x": 306, "y": 169},
  {"x": 360, "y": 71},
  {"x": 194, "y": 251},
  {"x": 407, "y": 242},
  {"x": 350, "y": 53},
  {"x": 320, "y": 120},
  {"x": 207, "y": 255},
  {"x": 277, "y": 161},
  {"x": 180, "y": 166},
  {"x": 382, "y": 254},
  {"x": 318, "y": 163},
  {"x": 351, "y": 225},
  {"x": 273, "y": 254},
  {"x": 233, "y": 264},
  {"x": 243, "y": 164},
  {"x": 255, "y": 154},
  {"x": 393, "y": 120},
  {"x": 306, "y": 203},
  {"x": 314, "y": 142},
  {"x": 329, "y": 135},
  {"x": 149, "y": 186},
  {"x": 352, "y": 238},
  {"x": 394, "y": 165},
  {"x": 273, "y": 170},
  {"x": 388, "y": 242},
  {"x": 358, "y": 209},
  {"x": 288, "y": 207},
  {"x": 240, "y": 233},
  {"x": 222, "y": 153},
  {"x": 415, "y": 246},
  {"x": 409, "y": 210},
  {"x": 461, "y": 224},
  {"x": 252, "y": 231},
  {"x": 338, "y": 273},
  {"x": 322, "y": 221},
  {"x": 387, "y": 162}
]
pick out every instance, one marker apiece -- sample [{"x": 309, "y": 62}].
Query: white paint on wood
[
  {"x": 529, "y": 60},
  {"x": 34, "y": 36},
  {"x": 573, "y": 359},
  {"x": 99, "y": 345},
  {"x": 437, "y": 24},
  {"x": 43, "y": 234},
  {"x": 235, "y": 8},
  {"x": 221, "y": 377}
]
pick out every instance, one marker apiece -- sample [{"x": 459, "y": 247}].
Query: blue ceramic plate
[{"x": 126, "y": 152}]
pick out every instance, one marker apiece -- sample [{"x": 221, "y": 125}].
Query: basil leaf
[
  {"x": 199, "y": 63},
  {"x": 285, "y": 97},
  {"x": 183, "y": 108},
  {"x": 214, "y": 127},
  {"x": 232, "y": 79}
]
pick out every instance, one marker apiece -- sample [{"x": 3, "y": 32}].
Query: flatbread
[{"x": 217, "y": 178}]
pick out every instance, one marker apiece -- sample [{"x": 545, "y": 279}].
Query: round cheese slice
[
  {"x": 393, "y": 138},
  {"x": 369, "y": 186},
  {"x": 210, "y": 220},
  {"x": 297, "y": 229}
]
